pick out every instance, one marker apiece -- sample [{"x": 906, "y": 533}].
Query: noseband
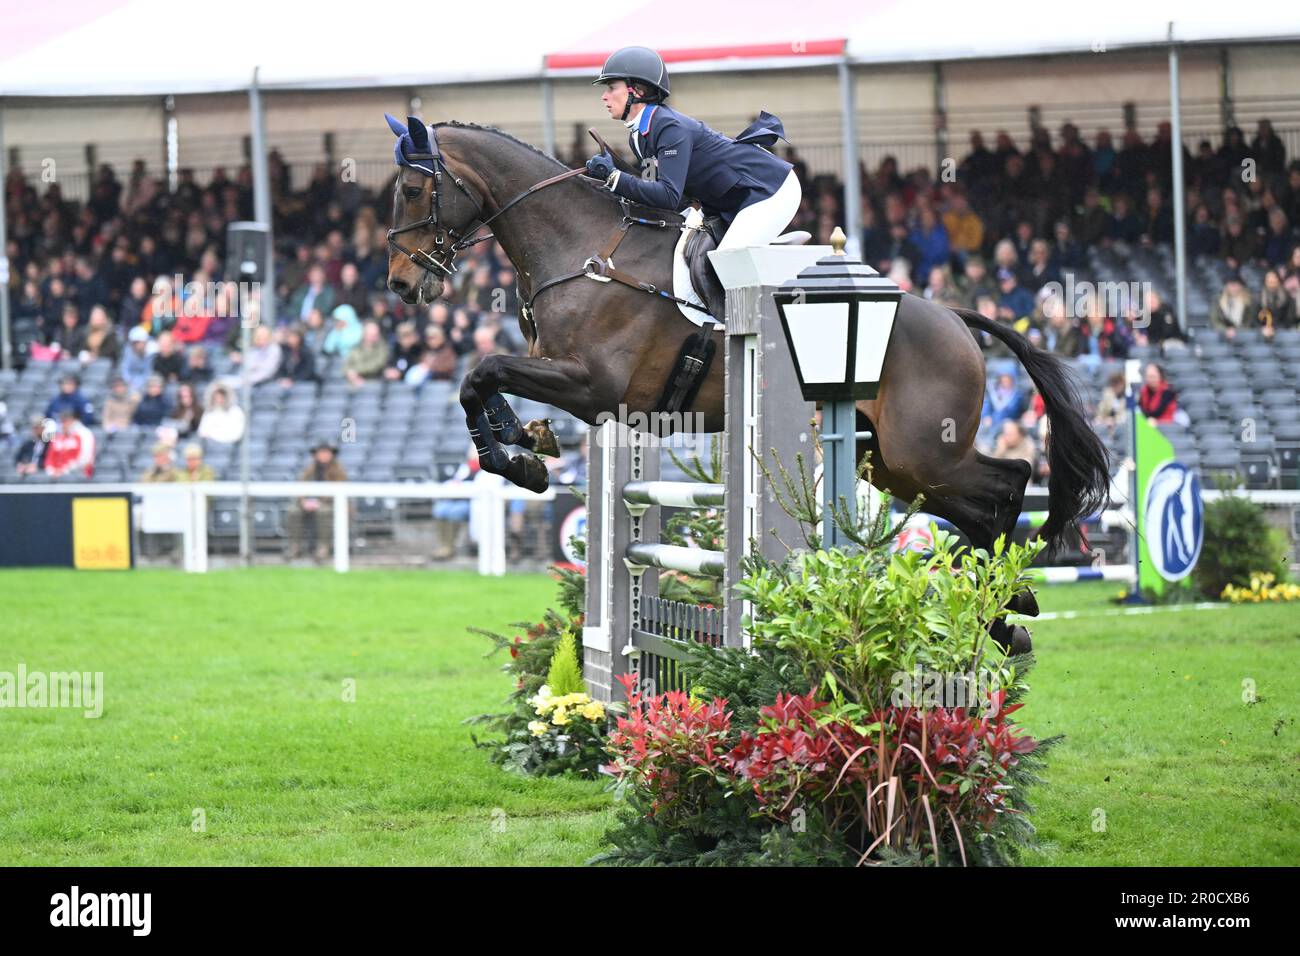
[{"x": 442, "y": 261}]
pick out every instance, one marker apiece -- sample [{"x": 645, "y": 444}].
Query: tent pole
[
  {"x": 548, "y": 116},
  {"x": 266, "y": 314},
  {"x": 6, "y": 337},
  {"x": 852, "y": 177},
  {"x": 1179, "y": 196}
]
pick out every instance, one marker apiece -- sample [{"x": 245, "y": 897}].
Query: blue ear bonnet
[{"x": 411, "y": 139}]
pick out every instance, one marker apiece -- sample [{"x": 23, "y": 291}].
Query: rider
[{"x": 755, "y": 192}]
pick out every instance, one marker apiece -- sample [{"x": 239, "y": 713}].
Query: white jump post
[{"x": 627, "y": 629}]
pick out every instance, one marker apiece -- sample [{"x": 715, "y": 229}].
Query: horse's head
[{"x": 433, "y": 210}]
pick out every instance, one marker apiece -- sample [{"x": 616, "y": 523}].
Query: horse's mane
[{"x": 585, "y": 181}]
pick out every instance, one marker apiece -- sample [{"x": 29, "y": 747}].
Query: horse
[{"x": 603, "y": 347}]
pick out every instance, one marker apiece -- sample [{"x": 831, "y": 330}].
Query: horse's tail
[{"x": 1079, "y": 484}]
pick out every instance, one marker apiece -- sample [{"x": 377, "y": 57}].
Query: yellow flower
[
  {"x": 593, "y": 711},
  {"x": 537, "y": 728},
  {"x": 560, "y": 718}
]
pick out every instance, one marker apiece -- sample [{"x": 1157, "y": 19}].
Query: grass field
[{"x": 225, "y": 693}]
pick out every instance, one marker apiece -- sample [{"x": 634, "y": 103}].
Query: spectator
[
  {"x": 451, "y": 516},
  {"x": 931, "y": 239},
  {"x": 197, "y": 371},
  {"x": 485, "y": 344},
  {"x": 72, "y": 449},
  {"x": 1112, "y": 407},
  {"x": 137, "y": 363},
  {"x": 264, "y": 357},
  {"x": 1014, "y": 443},
  {"x": 314, "y": 294},
  {"x": 368, "y": 359},
  {"x": 1092, "y": 222},
  {"x": 131, "y": 312},
  {"x": 1239, "y": 246},
  {"x": 195, "y": 469},
  {"x": 100, "y": 340},
  {"x": 352, "y": 292},
  {"x": 1276, "y": 307},
  {"x": 1233, "y": 307},
  {"x": 223, "y": 421},
  {"x": 964, "y": 226},
  {"x": 1014, "y": 302},
  {"x": 187, "y": 413},
  {"x": 1003, "y": 402},
  {"x": 167, "y": 361},
  {"x": 1124, "y": 225},
  {"x": 345, "y": 333},
  {"x": 119, "y": 406},
  {"x": 1203, "y": 238},
  {"x": 1157, "y": 399},
  {"x": 1159, "y": 225},
  {"x": 975, "y": 282},
  {"x": 311, "y": 520},
  {"x": 1280, "y": 238},
  {"x": 1042, "y": 271},
  {"x": 30, "y": 458},
  {"x": 70, "y": 397},
  {"x": 297, "y": 363},
  {"x": 461, "y": 334},
  {"x": 152, "y": 407},
  {"x": 162, "y": 469},
  {"x": 69, "y": 337},
  {"x": 406, "y": 352},
  {"x": 1159, "y": 325}
]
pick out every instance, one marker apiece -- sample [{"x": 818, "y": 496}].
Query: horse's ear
[
  {"x": 419, "y": 133},
  {"x": 395, "y": 125}
]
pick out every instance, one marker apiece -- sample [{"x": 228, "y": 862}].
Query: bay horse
[{"x": 595, "y": 346}]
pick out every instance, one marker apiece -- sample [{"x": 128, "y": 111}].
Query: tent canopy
[{"x": 157, "y": 47}]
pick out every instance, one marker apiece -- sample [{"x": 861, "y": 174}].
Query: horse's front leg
[{"x": 492, "y": 422}]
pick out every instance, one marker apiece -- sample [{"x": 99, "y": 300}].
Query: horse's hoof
[
  {"x": 535, "y": 477},
  {"x": 544, "y": 440},
  {"x": 1021, "y": 642},
  {"x": 1026, "y": 603}
]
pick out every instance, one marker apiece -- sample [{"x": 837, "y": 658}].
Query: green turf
[{"x": 224, "y": 692}]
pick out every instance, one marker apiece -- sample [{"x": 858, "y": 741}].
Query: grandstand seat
[
  {"x": 1221, "y": 467},
  {"x": 413, "y": 472},
  {"x": 223, "y": 518},
  {"x": 1215, "y": 441}
]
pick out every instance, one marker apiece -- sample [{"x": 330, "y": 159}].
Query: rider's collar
[{"x": 641, "y": 123}]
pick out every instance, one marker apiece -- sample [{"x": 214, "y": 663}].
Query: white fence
[{"x": 182, "y": 508}]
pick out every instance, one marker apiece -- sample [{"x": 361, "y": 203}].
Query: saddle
[
  {"x": 696, "y": 355},
  {"x": 703, "y": 279}
]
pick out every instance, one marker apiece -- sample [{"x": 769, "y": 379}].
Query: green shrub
[
  {"x": 1238, "y": 543},
  {"x": 565, "y": 673}
]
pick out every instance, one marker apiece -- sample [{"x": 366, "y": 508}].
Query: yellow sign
[{"x": 101, "y": 534}]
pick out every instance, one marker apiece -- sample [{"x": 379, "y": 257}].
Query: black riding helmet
[{"x": 635, "y": 63}]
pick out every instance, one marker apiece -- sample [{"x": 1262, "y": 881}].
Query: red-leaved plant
[
  {"x": 914, "y": 780},
  {"x": 670, "y": 746}
]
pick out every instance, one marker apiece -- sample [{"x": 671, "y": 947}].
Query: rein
[{"x": 599, "y": 267}]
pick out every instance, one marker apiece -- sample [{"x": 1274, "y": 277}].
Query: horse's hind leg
[{"x": 982, "y": 497}]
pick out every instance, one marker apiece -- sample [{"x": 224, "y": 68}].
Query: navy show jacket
[{"x": 686, "y": 158}]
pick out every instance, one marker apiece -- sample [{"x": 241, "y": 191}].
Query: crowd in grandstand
[{"x": 99, "y": 279}]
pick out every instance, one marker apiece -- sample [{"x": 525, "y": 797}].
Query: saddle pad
[{"x": 683, "y": 288}]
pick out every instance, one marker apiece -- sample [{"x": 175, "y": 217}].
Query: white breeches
[{"x": 761, "y": 222}]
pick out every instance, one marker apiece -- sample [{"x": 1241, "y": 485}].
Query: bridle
[
  {"x": 443, "y": 262},
  {"x": 599, "y": 267}
]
